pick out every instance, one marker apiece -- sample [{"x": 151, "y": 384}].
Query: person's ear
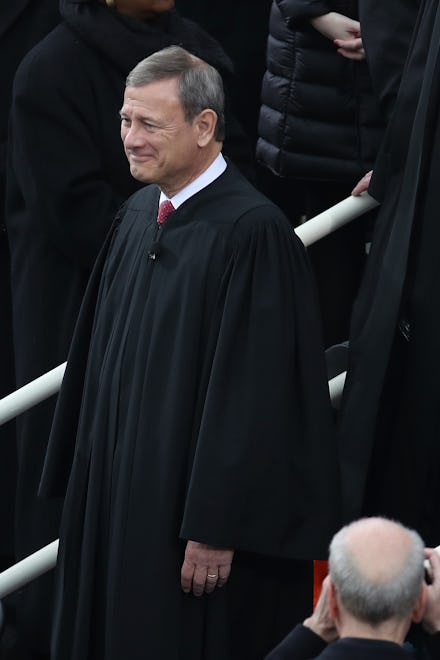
[
  {"x": 419, "y": 608},
  {"x": 205, "y": 124}
]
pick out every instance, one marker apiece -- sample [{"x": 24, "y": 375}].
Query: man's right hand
[{"x": 321, "y": 621}]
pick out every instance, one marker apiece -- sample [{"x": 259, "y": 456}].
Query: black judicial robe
[
  {"x": 196, "y": 406},
  {"x": 390, "y": 417}
]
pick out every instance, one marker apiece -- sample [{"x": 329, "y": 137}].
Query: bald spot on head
[{"x": 378, "y": 548}]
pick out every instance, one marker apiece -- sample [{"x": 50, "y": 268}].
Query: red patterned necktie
[{"x": 164, "y": 211}]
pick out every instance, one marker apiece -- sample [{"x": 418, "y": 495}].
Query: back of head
[
  {"x": 377, "y": 568},
  {"x": 200, "y": 85}
]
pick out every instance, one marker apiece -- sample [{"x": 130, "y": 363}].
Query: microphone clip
[{"x": 154, "y": 251}]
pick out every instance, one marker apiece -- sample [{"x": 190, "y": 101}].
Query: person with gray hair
[
  {"x": 200, "y": 85},
  {"x": 193, "y": 437},
  {"x": 374, "y": 591},
  {"x": 66, "y": 178}
]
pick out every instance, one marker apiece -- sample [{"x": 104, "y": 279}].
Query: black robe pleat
[{"x": 194, "y": 406}]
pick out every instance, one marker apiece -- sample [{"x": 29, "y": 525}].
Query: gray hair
[
  {"x": 200, "y": 85},
  {"x": 376, "y": 602}
]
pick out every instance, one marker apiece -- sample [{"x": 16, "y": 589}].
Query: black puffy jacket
[{"x": 319, "y": 119}]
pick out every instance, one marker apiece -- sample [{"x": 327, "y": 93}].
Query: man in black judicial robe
[
  {"x": 390, "y": 415},
  {"x": 193, "y": 435},
  {"x": 67, "y": 177}
]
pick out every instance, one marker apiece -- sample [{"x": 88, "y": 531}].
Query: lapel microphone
[{"x": 154, "y": 251}]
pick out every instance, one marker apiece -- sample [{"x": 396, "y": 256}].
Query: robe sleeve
[
  {"x": 264, "y": 476},
  {"x": 387, "y": 29},
  {"x": 62, "y": 439}
]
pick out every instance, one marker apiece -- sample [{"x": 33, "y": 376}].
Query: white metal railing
[
  {"x": 29, "y": 395},
  {"x": 42, "y": 388},
  {"x": 28, "y": 569},
  {"x": 335, "y": 217}
]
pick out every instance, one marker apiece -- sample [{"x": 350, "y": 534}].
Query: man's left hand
[
  {"x": 205, "y": 568},
  {"x": 431, "y": 617}
]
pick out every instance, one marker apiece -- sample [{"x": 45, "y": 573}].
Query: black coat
[
  {"x": 67, "y": 176},
  {"x": 22, "y": 24},
  {"x": 303, "y": 644},
  {"x": 319, "y": 118},
  {"x": 194, "y": 406},
  {"x": 390, "y": 417}
]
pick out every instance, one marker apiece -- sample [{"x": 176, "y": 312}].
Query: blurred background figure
[
  {"x": 22, "y": 24},
  {"x": 67, "y": 176},
  {"x": 320, "y": 128}
]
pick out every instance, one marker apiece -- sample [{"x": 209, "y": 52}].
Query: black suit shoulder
[
  {"x": 300, "y": 644},
  {"x": 303, "y": 644}
]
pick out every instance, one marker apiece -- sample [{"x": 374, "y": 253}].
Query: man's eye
[{"x": 125, "y": 121}]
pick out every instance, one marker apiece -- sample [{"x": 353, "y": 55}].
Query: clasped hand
[{"x": 343, "y": 31}]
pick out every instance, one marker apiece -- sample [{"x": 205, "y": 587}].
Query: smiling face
[
  {"x": 161, "y": 145},
  {"x": 143, "y": 8}
]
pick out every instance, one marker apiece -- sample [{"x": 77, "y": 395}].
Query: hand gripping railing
[{"x": 42, "y": 388}]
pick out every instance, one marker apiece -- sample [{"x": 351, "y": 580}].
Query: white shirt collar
[{"x": 212, "y": 173}]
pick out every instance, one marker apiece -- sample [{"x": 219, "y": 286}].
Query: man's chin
[{"x": 140, "y": 174}]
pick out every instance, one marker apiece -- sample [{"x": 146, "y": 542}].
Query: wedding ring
[{"x": 212, "y": 577}]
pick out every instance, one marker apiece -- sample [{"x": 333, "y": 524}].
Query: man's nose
[{"x": 133, "y": 136}]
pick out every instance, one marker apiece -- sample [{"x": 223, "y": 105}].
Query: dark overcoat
[
  {"x": 67, "y": 176},
  {"x": 22, "y": 24},
  {"x": 390, "y": 419}
]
